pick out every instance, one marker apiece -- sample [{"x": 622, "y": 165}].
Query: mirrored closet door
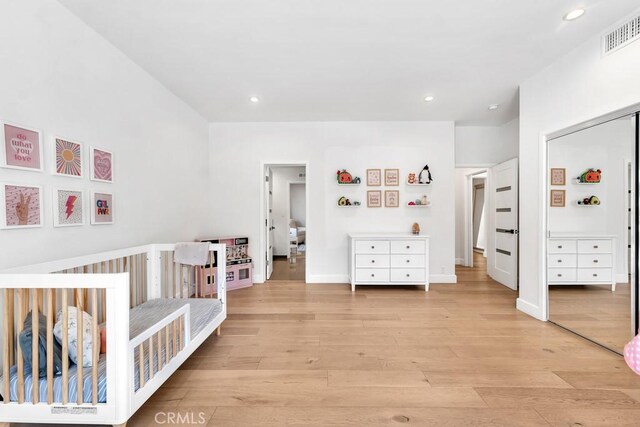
[{"x": 591, "y": 241}]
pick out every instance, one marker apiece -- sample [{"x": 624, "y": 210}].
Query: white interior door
[
  {"x": 268, "y": 190},
  {"x": 502, "y": 258}
]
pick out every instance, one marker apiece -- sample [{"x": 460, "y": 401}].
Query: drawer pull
[
  {"x": 408, "y": 275},
  {"x": 559, "y": 274},
  {"x": 595, "y": 274},
  {"x": 595, "y": 260},
  {"x": 595, "y": 246},
  {"x": 408, "y": 261},
  {"x": 559, "y": 261},
  {"x": 373, "y": 275},
  {"x": 408, "y": 247},
  {"x": 373, "y": 247},
  {"x": 560, "y": 247},
  {"x": 373, "y": 261}
]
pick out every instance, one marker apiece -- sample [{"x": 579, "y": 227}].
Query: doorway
[{"x": 285, "y": 223}]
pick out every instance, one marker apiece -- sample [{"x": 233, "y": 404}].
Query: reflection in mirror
[{"x": 591, "y": 241}]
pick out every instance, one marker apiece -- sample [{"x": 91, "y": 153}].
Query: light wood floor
[
  {"x": 458, "y": 355},
  {"x": 285, "y": 269}
]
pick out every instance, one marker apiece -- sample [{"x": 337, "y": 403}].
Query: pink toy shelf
[{"x": 239, "y": 266}]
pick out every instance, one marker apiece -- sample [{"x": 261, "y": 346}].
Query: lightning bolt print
[{"x": 71, "y": 202}]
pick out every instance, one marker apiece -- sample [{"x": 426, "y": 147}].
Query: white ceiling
[{"x": 347, "y": 59}]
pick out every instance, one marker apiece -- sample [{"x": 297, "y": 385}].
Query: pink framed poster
[
  {"x": 67, "y": 158},
  {"x": 101, "y": 165},
  {"x": 22, "y": 206},
  {"x": 102, "y": 208},
  {"x": 68, "y": 207},
  {"x": 22, "y": 147}
]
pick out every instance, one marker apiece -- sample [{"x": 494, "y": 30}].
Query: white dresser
[
  {"x": 581, "y": 260},
  {"x": 388, "y": 259}
]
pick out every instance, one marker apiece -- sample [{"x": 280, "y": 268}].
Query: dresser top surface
[
  {"x": 388, "y": 236},
  {"x": 562, "y": 235}
]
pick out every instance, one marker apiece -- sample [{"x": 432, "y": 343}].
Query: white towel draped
[{"x": 191, "y": 253}]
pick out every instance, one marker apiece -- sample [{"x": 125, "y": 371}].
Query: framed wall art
[
  {"x": 558, "y": 198},
  {"x": 374, "y": 177},
  {"x": 392, "y": 177},
  {"x": 102, "y": 208},
  {"x": 22, "y": 206},
  {"x": 68, "y": 208},
  {"x": 391, "y": 198},
  {"x": 101, "y": 165},
  {"x": 22, "y": 147},
  {"x": 67, "y": 158},
  {"x": 374, "y": 199},
  {"x": 558, "y": 176}
]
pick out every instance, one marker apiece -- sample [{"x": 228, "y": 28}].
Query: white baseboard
[
  {"x": 530, "y": 309},
  {"x": 328, "y": 278},
  {"x": 459, "y": 261},
  {"x": 443, "y": 278},
  {"x": 622, "y": 278},
  {"x": 258, "y": 278}
]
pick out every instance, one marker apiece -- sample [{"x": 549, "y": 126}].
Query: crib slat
[
  {"x": 181, "y": 267},
  {"x": 79, "y": 350},
  {"x": 166, "y": 274},
  {"x": 65, "y": 346},
  {"x": 166, "y": 343},
  {"x": 50, "y": 315},
  {"x": 144, "y": 277},
  {"x": 35, "y": 351},
  {"x": 151, "y": 357},
  {"x": 7, "y": 343},
  {"x": 211, "y": 278},
  {"x": 141, "y": 363},
  {"x": 21, "y": 313},
  {"x": 175, "y": 338},
  {"x": 181, "y": 328},
  {"x": 95, "y": 341},
  {"x": 159, "y": 350}
]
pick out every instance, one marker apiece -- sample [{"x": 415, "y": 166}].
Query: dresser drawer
[
  {"x": 562, "y": 260},
  {"x": 595, "y": 260},
  {"x": 561, "y": 246},
  {"x": 372, "y": 247},
  {"x": 562, "y": 274},
  {"x": 407, "y": 261},
  {"x": 594, "y": 275},
  {"x": 408, "y": 247},
  {"x": 408, "y": 275},
  {"x": 595, "y": 246},
  {"x": 372, "y": 261},
  {"x": 372, "y": 275}
]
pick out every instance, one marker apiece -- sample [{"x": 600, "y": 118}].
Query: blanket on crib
[{"x": 141, "y": 318}]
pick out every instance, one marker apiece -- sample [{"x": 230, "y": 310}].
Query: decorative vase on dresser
[
  {"x": 388, "y": 259},
  {"x": 581, "y": 259}
]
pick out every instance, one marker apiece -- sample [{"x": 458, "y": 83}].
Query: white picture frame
[
  {"x": 96, "y": 172},
  {"x": 57, "y": 207},
  {"x": 53, "y": 156},
  {"x": 4, "y": 161},
  {"x": 94, "y": 217},
  {"x": 8, "y": 206}
]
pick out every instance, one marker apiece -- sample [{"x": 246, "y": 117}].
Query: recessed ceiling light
[
  {"x": 254, "y": 99},
  {"x": 429, "y": 98},
  {"x": 574, "y": 14},
  {"x": 493, "y": 107}
]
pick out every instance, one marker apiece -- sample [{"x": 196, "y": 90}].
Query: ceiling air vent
[{"x": 622, "y": 36}]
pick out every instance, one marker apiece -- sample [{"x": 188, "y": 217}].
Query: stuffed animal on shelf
[
  {"x": 592, "y": 200},
  {"x": 425, "y": 176},
  {"x": 591, "y": 176},
  {"x": 344, "y": 177},
  {"x": 415, "y": 229},
  {"x": 411, "y": 179},
  {"x": 343, "y": 201}
]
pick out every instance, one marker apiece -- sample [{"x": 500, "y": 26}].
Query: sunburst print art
[{"x": 68, "y": 158}]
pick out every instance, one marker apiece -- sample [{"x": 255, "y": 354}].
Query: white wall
[
  {"x": 282, "y": 176},
  {"x": 329, "y": 146},
  {"x": 607, "y": 147},
  {"x": 486, "y": 145},
  {"x": 59, "y": 76},
  {"x": 299, "y": 203},
  {"x": 581, "y": 86}
]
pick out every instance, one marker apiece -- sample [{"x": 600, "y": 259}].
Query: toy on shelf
[
  {"x": 415, "y": 229},
  {"x": 591, "y": 176},
  {"x": 423, "y": 201},
  {"x": 589, "y": 201},
  {"x": 411, "y": 179},
  {"x": 239, "y": 266},
  {"x": 345, "y": 178},
  {"x": 344, "y": 202},
  {"x": 425, "y": 176}
]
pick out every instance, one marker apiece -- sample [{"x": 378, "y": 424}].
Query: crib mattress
[{"x": 142, "y": 317}]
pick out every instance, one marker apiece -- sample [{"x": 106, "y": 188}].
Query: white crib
[{"x": 109, "y": 286}]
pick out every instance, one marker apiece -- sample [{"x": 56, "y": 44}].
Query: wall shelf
[
  {"x": 428, "y": 205},
  {"x": 347, "y": 185},
  {"x": 582, "y": 205},
  {"x": 577, "y": 181},
  {"x": 417, "y": 185},
  {"x": 347, "y": 207}
]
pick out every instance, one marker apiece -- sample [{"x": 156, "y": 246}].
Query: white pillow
[{"x": 87, "y": 322}]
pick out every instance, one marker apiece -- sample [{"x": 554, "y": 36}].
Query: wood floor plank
[
  {"x": 377, "y": 379},
  {"x": 586, "y": 417},
  {"x": 529, "y": 397},
  {"x": 606, "y": 380},
  {"x": 495, "y": 379}
]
